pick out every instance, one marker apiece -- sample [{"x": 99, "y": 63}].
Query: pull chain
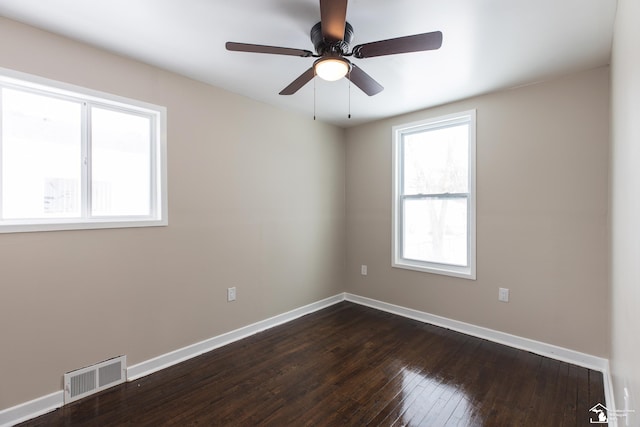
[
  {"x": 349, "y": 116},
  {"x": 314, "y": 96}
]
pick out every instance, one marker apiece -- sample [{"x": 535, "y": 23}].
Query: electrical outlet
[
  {"x": 503, "y": 294},
  {"x": 363, "y": 270},
  {"x": 231, "y": 294}
]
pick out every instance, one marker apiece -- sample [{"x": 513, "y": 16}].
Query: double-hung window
[
  {"x": 434, "y": 195},
  {"x": 73, "y": 158}
]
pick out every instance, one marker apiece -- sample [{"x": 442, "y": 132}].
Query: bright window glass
[
  {"x": 435, "y": 230},
  {"x": 41, "y": 154},
  {"x": 121, "y": 163}
]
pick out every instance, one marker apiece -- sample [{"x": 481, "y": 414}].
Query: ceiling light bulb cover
[{"x": 332, "y": 69}]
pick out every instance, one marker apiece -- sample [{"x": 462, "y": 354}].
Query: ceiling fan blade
[
  {"x": 415, "y": 43},
  {"x": 299, "y": 82},
  {"x": 364, "y": 81},
  {"x": 275, "y": 50},
  {"x": 333, "y": 16}
]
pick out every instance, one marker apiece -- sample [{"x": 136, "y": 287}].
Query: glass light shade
[{"x": 332, "y": 69}]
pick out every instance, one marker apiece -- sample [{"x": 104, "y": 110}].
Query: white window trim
[
  {"x": 159, "y": 214},
  {"x": 466, "y": 272}
]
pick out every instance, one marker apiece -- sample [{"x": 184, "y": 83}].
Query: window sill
[
  {"x": 444, "y": 270},
  {"x": 16, "y": 227}
]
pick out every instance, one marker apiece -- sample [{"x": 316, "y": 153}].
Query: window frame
[
  {"x": 89, "y": 98},
  {"x": 398, "y": 133}
]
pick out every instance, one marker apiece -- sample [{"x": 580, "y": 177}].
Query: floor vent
[{"x": 92, "y": 379}]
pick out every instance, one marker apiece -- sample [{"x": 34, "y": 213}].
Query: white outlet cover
[{"x": 503, "y": 294}]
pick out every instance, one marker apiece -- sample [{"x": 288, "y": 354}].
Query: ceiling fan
[{"x": 331, "y": 37}]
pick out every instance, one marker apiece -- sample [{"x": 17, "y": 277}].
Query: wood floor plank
[
  {"x": 596, "y": 388},
  {"x": 349, "y": 365},
  {"x": 436, "y": 366},
  {"x": 582, "y": 401},
  {"x": 570, "y": 400}
]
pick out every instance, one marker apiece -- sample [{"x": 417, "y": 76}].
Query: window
[
  {"x": 434, "y": 195},
  {"x": 73, "y": 158}
]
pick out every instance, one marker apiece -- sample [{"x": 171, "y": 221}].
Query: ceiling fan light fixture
[{"x": 332, "y": 68}]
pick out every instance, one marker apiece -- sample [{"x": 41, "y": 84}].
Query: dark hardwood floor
[{"x": 349, "y": 365}]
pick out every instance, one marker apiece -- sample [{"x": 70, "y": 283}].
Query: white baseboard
[
  {"x": 31, "y": 409},
  {"x": 37, "y": 407},
  {"x": 610, "y": 402},
  {"x": 537, "y": 347},
  {"x": 548, "y": 350},
  {"x": 169, "y": 359}
]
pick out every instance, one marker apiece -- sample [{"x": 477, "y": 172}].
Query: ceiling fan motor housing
[{"x": 331, "y": 47}]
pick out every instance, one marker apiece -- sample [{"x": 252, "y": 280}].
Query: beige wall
[
  {"x": 625, "y": 207},
  {"x": 542, "y": 173},
  {"x": 256, "y": 201}
]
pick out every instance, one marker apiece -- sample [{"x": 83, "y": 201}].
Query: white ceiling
[{"x": 488, "y": 45}]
